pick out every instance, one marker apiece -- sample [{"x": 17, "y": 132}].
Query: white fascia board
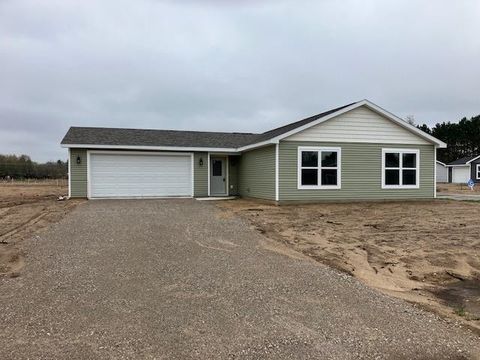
[
  {"x": 459, "y": 165},
  {"x": 155, "y": 148},
  {"x": 257, "y": 145},
  {"x": 468, "y": 162},
  {"x": 441, "y": 163},
  {"x": 404, "y": 124}
]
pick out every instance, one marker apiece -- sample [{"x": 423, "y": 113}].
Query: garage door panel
[
  {"x": 137, "y": 175},
  {"x": 461, "y": 174}
]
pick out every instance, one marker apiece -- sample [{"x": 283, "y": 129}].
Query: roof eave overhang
[{"x": 151, "y": 148}]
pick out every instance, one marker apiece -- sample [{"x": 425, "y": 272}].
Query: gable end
[{"x": 359, "y": 125}]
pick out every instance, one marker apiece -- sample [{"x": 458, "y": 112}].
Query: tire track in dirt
[
  {"x": 33, "y": 220},
  {"x": 26, "y": 209}
]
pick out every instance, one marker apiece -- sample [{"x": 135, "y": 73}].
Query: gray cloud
[{"x": 226, "y": 65}]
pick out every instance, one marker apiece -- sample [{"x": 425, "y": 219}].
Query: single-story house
[
  {"x": 442, "y": 172},
  {"x": 464, "y": 169},
  {"x": 355, "y": 152}
]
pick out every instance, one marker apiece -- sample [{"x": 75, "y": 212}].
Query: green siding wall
[
  {"x": 360, "y": 173},
  {"x": 200, "y": 175},
  {"x": 78, "y": 173},
  {"x": 233, "y": 165},
  {"x": 257, "y": 173}
]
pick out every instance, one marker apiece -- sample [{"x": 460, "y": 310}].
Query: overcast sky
[{"x": 227, "y": 65}]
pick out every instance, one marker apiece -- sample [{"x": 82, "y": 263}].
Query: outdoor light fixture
[
  {"x": 200, "y": 162},
  {"x": 79, "y": 160}
]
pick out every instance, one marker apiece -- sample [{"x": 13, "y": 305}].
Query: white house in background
[
  {"x": 442, "y": 172},
  {"x": 464, "y": 169}
]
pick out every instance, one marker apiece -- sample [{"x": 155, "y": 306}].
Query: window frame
[
  {"x": 400, "y": 168},
  {"x": 477, "y": 167},
  {"x": 319, "y": 167}
]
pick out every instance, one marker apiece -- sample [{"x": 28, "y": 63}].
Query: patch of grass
[{"x": 460, "y": 311}]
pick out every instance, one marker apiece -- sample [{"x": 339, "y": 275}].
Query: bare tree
[{"x": 411, "y": 120}]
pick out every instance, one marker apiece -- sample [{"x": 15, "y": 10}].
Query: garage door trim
[{"x": 148, "y": 153}]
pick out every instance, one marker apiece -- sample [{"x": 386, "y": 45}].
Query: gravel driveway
[{"x": 180, "y": 279}]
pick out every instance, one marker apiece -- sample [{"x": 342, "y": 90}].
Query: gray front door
[{"x": 218, "y": 176}]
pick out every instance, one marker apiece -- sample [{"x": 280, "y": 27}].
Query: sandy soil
[
  {"x": 445, "y": 188},
  {"x": 423, "y": 252},
  {"x": 26, "y": 208}
]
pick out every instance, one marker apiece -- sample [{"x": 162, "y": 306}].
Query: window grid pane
[
  {"x": 310, "y": 159},
  {"x": 310, "y": 177},
  {"x": 392, "y": 160},
  {"x": 392, "y": 177},
  {"x": 409, "y": 177},
  {"x": 329, "y": 177}
]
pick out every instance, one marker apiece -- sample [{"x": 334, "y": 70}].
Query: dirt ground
[
  {"x": 446, "y": 188},
  {"x": 424, "y": 252},
  {"x": 26, "y": 208}
]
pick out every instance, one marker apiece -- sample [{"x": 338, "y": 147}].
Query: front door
[{"x": 218, "y": 176}]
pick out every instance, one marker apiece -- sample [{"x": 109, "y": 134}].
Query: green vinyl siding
[
  {"x": 78, "y": 173},
  {"x": 200, "y": 175},
  {"x": 257, "y": 173},
  {"x": 361, "y": 177},
  {"x": 233, "y": 164}
]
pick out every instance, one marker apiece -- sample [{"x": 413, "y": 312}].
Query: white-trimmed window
[
  {"x": 400, "y": 169},
  {"x": 319, "y": 167},
  {"x": 478, "y": 171}
]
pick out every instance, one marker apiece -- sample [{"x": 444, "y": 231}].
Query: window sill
[
  {"x": 400, "y": 187},
  {"x": 325, "y": 187}
]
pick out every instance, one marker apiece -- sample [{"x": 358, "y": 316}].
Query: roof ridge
[{"x": 172, "y": 130}]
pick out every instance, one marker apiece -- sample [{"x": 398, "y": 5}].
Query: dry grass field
[
  {"x": 445, "y": 188},
  {"x": 425, "y": 252},
  {"x": 26, "y": 208}
]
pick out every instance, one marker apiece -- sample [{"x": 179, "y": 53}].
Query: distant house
[
  {"x": 464, "y": 169},
  {"x": 355, "y": 152},
  {"x": 441, "y": 170}
]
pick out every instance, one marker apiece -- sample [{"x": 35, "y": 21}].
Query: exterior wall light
[
  {"x": 200, "y": 162},
  {"x": 79, "y": 160}
]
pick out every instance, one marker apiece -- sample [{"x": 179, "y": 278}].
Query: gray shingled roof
[
  {"x": 144, "y": 137},
  {"x": 147, "y": 137},
  {"x": 463, "y": 160}
]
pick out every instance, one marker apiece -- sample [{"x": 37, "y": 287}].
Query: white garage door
[
  {"x": 461, "y": 174},
  {"x": 140, "y": 175}
]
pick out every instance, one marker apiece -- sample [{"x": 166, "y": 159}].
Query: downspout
[
  {"x": 69, "y": 174},
  {"x": 277, "y": 195},
  {"x": 435, "y": 172}
]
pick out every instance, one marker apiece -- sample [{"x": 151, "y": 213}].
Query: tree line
[
  {"x": 462, "y": 138},
  {"x": 22, "y": 167}
]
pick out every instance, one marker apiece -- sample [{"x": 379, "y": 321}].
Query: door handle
[{"x": 223, "y": 179}]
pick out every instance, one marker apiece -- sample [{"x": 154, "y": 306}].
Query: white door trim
[
  {"x": 208, "y": 175},
  {"x": 69, "y": 174}
]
